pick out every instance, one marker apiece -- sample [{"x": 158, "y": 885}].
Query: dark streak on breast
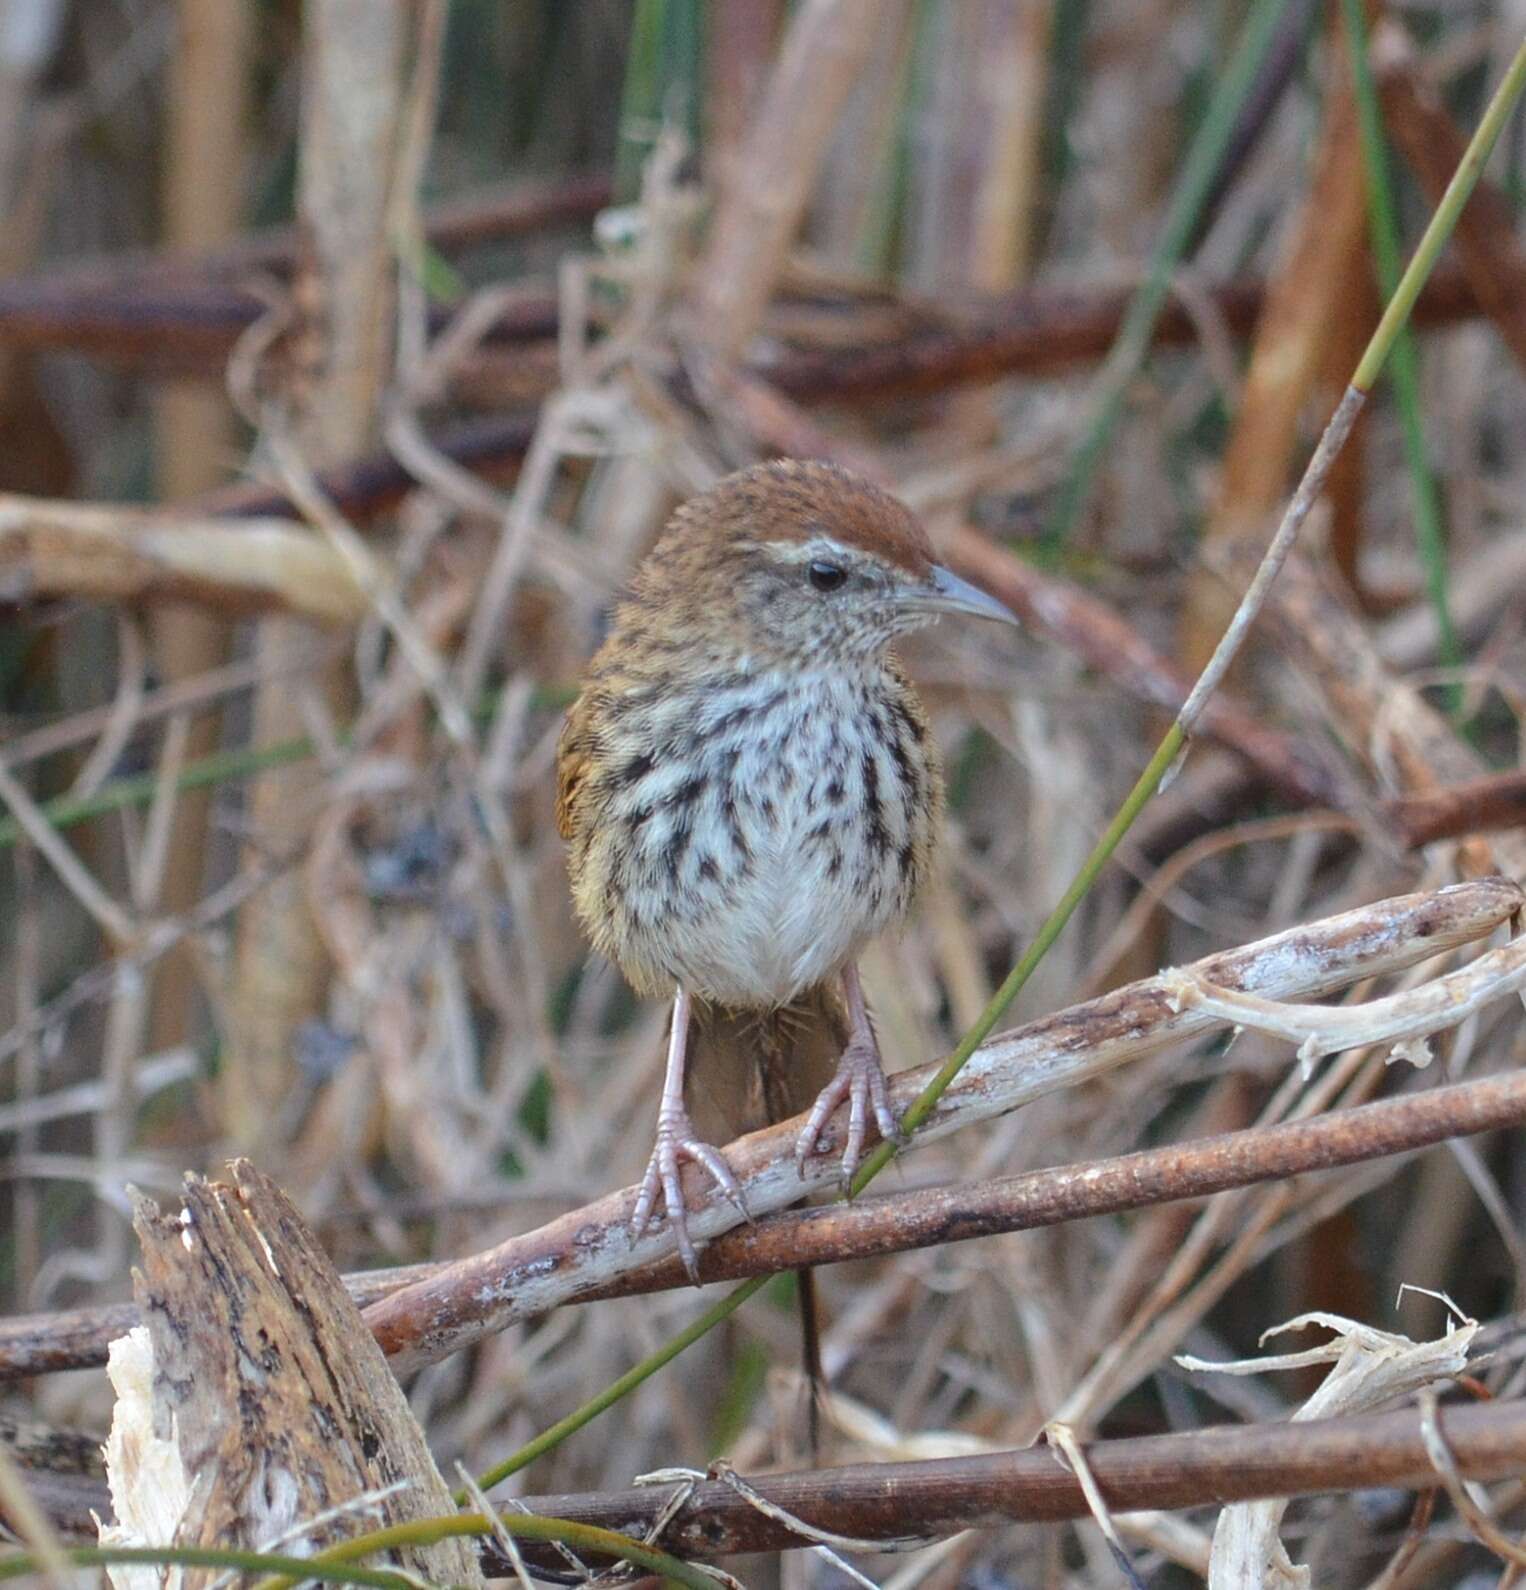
[{"x": 874, "y": 810}]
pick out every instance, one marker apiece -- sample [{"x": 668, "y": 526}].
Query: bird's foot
[
  {"x": 676, "y": 1142},
  {"x": 860, "y": 1079}
]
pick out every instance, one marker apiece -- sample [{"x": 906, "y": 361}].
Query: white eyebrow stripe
[{"x": 818, "y": 547}]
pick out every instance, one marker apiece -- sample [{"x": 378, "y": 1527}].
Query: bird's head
[{"x": 799, "y": 561}]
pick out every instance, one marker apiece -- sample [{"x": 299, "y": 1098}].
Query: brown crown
[{"x": 795, "y": 499}]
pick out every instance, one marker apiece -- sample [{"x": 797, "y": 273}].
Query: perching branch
[
  {"x": 931, "y": 1216},
  {"x": 586, "y": 1252}
]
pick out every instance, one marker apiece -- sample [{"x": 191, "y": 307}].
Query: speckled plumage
[
  {"x": 749, "y": 791},
  {"x": 749, "y": 799}
]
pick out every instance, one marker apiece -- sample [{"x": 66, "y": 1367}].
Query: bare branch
[
  {"x": 590, "y": 1248},
  {"x": 883, "y": 1501}
]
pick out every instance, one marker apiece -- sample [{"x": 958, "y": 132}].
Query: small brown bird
[{"x": 749, "y": 790}]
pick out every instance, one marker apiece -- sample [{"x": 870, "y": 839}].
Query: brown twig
[
  {"x": 164, "y": 327},
  {"x": 1481, "y": 805},
  {"x": 931, "y": 1217},
  {"x": 1040, "y": 331},
  {"x": 587, "y": 1250},
  {"x": 182, "y": 313},
  {"x": 1020, "y": 1065},
  {"x": 891, "y": 1501}
]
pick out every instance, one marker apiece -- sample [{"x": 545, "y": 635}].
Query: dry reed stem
[
  {"x": 354, "y": 71},
  {"x": 205, "y": 130},
  {"x": 589, "y": 1248},
  {"x": 1292, "y": 333},
  {"x": 63, "y": 549},
  {"x": 824, "y": 48},
  {"x": 1385, "y": 721}
]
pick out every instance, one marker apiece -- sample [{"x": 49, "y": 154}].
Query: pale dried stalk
[
  {"x": 1409, "y": 744},
  {"x": 116, "y": 554},
  {"x": 1409, "y": 1017},
  {"x": 185, "y": 696},
  {"x": 590, "y": 1248},
  {"x": 1468, "y": 1507},
  {"x": 205, "y": 126},
  {"x": 371, "y": 577},
  {"x": 1136, "y": 1334},
  {"x": 125, "y": 712},
  {"x": 826, "y": 47},
  {"x": 32, "y": 1525},
  {"x": 73, "y": 873},
  {"x": 1370, "y": 1369},
  {"x": 1065, "y": 1444},
  {"x": 354, "y": 81}
]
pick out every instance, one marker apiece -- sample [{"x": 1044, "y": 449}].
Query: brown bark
[
  {"x": 584, "y": 1251},
  {"x": 910, "y": 1501}
]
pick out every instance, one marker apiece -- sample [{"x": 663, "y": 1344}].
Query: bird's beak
[{"x": 947, "y": 593}]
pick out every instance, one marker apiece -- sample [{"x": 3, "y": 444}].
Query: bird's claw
[
  {"x": 860, "y": 1079},
  {"x": 676, "y": 1142}
]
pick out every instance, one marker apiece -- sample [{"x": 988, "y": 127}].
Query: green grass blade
[{"x": 1430, "y": 531}]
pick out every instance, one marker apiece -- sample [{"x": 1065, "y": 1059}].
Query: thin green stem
[
  {"x": 1193, "y": 187},
  {"x": 1430, "y": 531},
  {"x": 1054, "y": 924},
  {"x": 627, "y": 1383},
  {"x": 1149, "y": 781},
  {"x": 137, "y": 789},
  {"x": 263, "y": 1562},
  {"x": 662, "y": 71},
  {"x": 586, "y": 1539},
  {"x": 217, "y": 767}
]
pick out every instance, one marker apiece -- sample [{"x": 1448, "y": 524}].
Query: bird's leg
[
  {"x": 860, "y": 1079},
  {"x": 676, "y": 1142}
]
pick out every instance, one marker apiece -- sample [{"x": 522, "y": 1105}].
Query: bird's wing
[{"x": 574, "y": 762}]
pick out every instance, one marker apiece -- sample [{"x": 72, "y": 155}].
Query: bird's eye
[{"x": 826, "y": 576}]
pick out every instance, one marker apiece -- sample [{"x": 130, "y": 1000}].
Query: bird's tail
[{"x": 750, "y": 1069}]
